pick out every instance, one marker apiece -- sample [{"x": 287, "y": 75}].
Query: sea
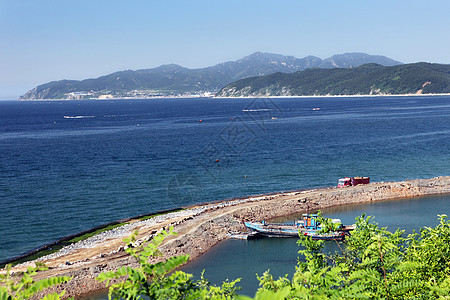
[{"x": 67, "y": 166}]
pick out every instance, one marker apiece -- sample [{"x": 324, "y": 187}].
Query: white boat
[{"x": 308, "y": 225}]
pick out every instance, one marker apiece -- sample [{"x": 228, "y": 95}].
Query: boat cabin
[{"x": 310, "y": 222}]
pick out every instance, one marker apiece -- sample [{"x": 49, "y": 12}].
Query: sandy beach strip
[{"x": 201, "y": 227}]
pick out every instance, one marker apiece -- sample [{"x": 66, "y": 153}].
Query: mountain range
[{"x": 173, "y": 79}]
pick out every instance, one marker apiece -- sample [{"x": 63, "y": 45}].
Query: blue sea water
[{"x": 66, "y": 166}]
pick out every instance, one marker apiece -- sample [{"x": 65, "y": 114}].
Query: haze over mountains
[{"x": 173, "y": 79}]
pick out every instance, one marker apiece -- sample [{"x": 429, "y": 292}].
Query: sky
[{"x": 47, "y": 40}]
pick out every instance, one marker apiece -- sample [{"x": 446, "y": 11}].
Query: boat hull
[
  {"x": 277, "y": 230},
  {"x": 285, "y": 230},
  {"x": 331, "y": 236}
]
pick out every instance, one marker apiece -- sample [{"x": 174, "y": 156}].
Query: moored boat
[
  {"x": 274, "y": 229},
  {"x": 317, "y": 235},
  {"x": 308, "y": 225}
]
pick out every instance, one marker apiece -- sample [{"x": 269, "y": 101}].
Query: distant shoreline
[
  {"x": 274, "y": 97},
  {"x": 340, "y": 96}
]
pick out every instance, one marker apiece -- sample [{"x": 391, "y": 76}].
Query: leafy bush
[
  {"x": 155, "y": 280},
  {"x": 26, "y": 287},
  {"x": 374, "y": 264}
]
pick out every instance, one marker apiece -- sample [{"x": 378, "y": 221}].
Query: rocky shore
[{"x": 200, "y": 228}]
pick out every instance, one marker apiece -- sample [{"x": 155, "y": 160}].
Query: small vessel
[
  {"x": 317, "y": 235},
  {"x": 274, "y": 229},
  {"x": 316, "y": 108},
  {"x": 78, "y": 117},
  {"x": 308, "y": 225}
]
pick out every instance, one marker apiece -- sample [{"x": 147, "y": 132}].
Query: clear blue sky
[{"x": 45, "y": 40}]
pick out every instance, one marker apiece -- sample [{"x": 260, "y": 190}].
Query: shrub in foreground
[{"x": 26, "y": 287}]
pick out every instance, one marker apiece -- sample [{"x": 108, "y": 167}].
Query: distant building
[{"x": 105, "y": 97}]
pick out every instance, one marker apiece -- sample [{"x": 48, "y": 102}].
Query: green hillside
[{"x": 368, "y": 79}]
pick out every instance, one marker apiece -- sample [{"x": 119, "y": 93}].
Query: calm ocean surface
[{"x": 66, "y": 166}]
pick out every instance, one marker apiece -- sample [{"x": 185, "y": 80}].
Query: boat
[
  {"x": 308, "y": 225},
  {"x": 274, "y": 229},
  {"x": 333, "y": 235}
]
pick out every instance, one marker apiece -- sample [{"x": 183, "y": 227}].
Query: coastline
[
  {"x": 201, "y": 227},
  {"x": 337, "y": 96},
  {"x": 247, "y": 97}
]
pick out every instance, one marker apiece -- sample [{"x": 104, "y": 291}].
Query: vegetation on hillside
[{"x": 368, "y": 79}]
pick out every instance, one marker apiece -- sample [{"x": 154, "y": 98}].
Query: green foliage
[
  {"x": 155, "y": 280},
  {"x": 374, "y": 264},
  {"x": 26, "y": 287},
  {"x": 326, "y": 224}
]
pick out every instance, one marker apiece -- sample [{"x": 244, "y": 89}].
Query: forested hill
[
  {"x": 175, "y": 80},
  {"x": 368, "y": 79}
]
